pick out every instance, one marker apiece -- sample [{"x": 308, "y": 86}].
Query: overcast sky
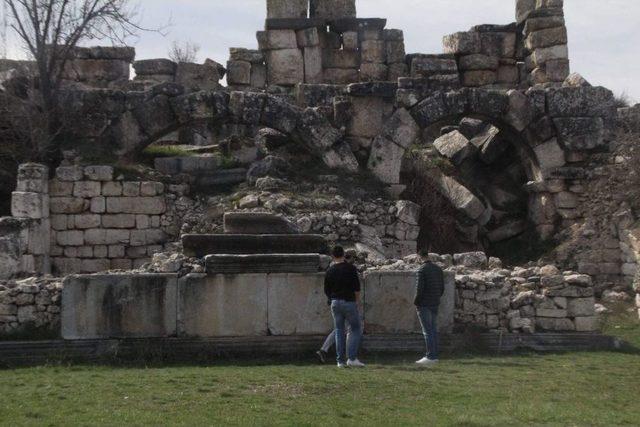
[{"x": 604, "y": 36}]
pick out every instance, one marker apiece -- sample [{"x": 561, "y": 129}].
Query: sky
[{"x": 604, "y": 36}]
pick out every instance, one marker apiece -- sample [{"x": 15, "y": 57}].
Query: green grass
[{"x": 466, "y": 390}]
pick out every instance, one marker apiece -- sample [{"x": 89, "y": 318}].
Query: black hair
[{"x": 338, "y": 252}]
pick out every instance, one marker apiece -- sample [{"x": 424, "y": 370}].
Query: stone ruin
[{"x": 516, "y": 132}]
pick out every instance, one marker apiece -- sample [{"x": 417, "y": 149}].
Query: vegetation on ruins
[
  {"x": 50, "y": 31},
  {"x": 186, "y": 51}
]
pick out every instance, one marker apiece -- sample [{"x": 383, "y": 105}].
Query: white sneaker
[
  {"x": 355, "y": 364},
  {"x": 425, "y": 361},
  {"x": 341, "y": 365}
]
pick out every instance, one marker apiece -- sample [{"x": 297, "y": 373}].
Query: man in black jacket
[
  {"x": 342, "y": 287},
  {"x": 429, "y": 290}
]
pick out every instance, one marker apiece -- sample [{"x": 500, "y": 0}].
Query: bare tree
[
  {"x": 184, "y": 51},
  {"x": 50, "y": 30}
]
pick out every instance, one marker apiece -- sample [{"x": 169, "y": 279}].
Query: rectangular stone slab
[
  {"x": 262, "y": 263},
  {"x": 200, "y": 245},
  {"x": 298, "y": 305},
  {"x": 233, "y": 305},
  {"x": 257, "y": 223},
  {"x": 388, "y": 303},
  {"x": 119, "y": 306},
  {"x": 293, "y": 23}
]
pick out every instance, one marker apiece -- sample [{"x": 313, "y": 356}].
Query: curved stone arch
[
  {"x": 167, "y": 111},
  {"x": 514, "y": 112}
]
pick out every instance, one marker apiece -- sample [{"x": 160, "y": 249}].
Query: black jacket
[
  {"x": 429, "y": 286},
  {"x": 342, "y": 282}
]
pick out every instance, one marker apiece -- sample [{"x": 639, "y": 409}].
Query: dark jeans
[
  {"x": 346, "y": 312},
  {"x": 429, "y": 321}
]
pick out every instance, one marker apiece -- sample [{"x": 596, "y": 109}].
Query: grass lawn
[{"x": 559, "y": 389}]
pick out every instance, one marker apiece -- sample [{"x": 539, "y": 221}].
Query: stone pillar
[
  {"x": 30, "y": 201},
  {"x": 545, "y": 40}
]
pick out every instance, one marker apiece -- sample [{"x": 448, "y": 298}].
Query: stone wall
[
  {"x": 100, "y": 223},
  {"x": 29, "y": 305},
  {"x": 84, "y": 220}
]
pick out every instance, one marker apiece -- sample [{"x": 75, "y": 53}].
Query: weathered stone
[
  {"x": 587, "y": 324},
  {"x": 550, "y": 155},
  {"x": 340, "y": 76},
  {"x": 341, "y": 157},
  {"x": 373, "y": 51},
  {"x": 401, "y": 128},
  {"x": 257, "y": 223},
  {"x": 408, "y": 212},
  {"x": 29, "y": 205},
  {"x": 581, "y": 307},
  {"x": 287, "y": 8},
  {"x": 201, "y": 245},
  {"x": 285, "y": 67},
  {"x": 478, "y": 62},
  {"x": 374, "y": 72},
  {"x": 154, "y": 67},
  {"x": 239, "y": 72},
  {"x": 141, "y": 306},
  {"x": 580, "y": 133},
  {"x": 460, "y": 197},
  {"x": 388, "y": 303},
  {"x": 546, "y": 38},
  {"x": 332, "y": 9},
  {"x": 455, "y": 146},
  {"x": 385, "y": 160},
  {"x": 70, "y": 173},
  {"x": 137, "y": 205},
  {"x": 463, "y": 43},
  {"x": 277, "y": 39},
  {"x": 576, "y": 80},
  {"x": 425, "y": 65},
  {"x": 262, "y": 263}
]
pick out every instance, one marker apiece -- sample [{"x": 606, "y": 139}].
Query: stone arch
[
  {"x": 166, "y": 109},
  {"x": 519, "y": 114}
]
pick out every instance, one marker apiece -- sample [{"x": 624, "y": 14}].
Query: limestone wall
[{"x": 100, "y": 223}]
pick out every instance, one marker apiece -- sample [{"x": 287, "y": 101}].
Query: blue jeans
[
  {"x": 344, "y": 311},
  {"x": 429, "y": 321}
]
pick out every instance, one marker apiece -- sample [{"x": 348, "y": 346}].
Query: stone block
[
  {"x": 131, "y": 189},
  {"x": 429, "y": 65},
  {"x": 397, "y": 70},
  {"x": 385, "y": 160},
  {"x": 350, "y": 41},
  {"x": 555, "y": 324},
  {"x": 207, "y": 306},
  {"x": 550, "y": 155},
  {"x": 581, "y": 307},
  {"x": 308, "y": 37},
  {"x": 285, "y": 67},
  {"x": 98, "y": 205},
  {"x": 455, "y": 147},
  {"x": 70, "y": 173},
  {"x": 581, "y": 102},
  {"x": 479, "y": 78},
  {"x": 374, "y": 72},
  {"x": 29, "y": 205},
  {"x": 258, "y": 75},
  {"x": 87, "y": 189},
  {"x": 540, "y": 57},
  {"x": 312, "y": 64},
  {"x": 373, "y": 51},
  {"x": 340, "y": 76},
  {"x": 136, "y": 205},
  {"x": 287, "y": 9},
  {"x": 238, "y": 72},
  {"x": 112, "y": 189},
  {"x": 257, "y": 223},
  {"x": 368, "y": 116},
  {"x": 580, "y": 133},
  {"x": 130, "y": 306},
  {"x": 395, "y": 51},
  {"x": 150, "y": 189},
  {"x": 119, "y": 221},
  {"x": 70, "y": 238},
  {"x": 337, "y": 58},
  {"x": 98, "y": 173},
  {"x": 557, "y": 70},
  {"x": 202, "y": 245},
  {"x": 546, "y": 38},
  {"x": 277, "y": 39},
  {"x": 297, "y": 305},
  {"x": 66, "y": 205},
  {"x": 332, "y": 9},
  {"x": 461, "y": 197},
  {"x": 388, "y": 303},
  {"x": 478, "y": 62},
  {"x": 155, "y": 67},
  {"x": 401, "y": 128},
  {"x": 462, "y": 43},
  {"x": 59, "y": 188},
  {"x": 87, "y": 221}
]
